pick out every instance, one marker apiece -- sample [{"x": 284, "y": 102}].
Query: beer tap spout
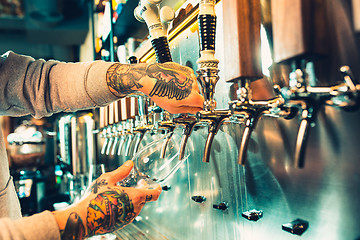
[
  {"x": 215, "y": 119},
  {"x": 309, "y": 109},
  {"x": 188, "y": 122}
]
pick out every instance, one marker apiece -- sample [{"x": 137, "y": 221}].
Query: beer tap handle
[
  {"x": 207, "y": 63},
  {"x": 148, "y": 11}
]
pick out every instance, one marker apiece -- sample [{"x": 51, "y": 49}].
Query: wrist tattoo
[
  {"x": 74, "y": 228},
  {"x": 121, "y": 78},
  {"x": 171, "y": 83},
  {"x": 97, "y": 184},
  {"x": 109, "y": 211}
]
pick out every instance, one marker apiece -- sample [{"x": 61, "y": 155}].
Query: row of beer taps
[{"x": 297, "y": 99}]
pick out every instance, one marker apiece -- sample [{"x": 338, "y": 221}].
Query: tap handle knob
[
  {"x": 167, "y": 15},
  {"x": 133, "y": 60}
]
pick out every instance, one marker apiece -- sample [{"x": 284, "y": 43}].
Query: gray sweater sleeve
[
  {"x": 40, "y": 88},
  {"x": 39, "y": 226}
]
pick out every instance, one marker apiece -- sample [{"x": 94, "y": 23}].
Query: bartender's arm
[{"x": 41, "y": 88}]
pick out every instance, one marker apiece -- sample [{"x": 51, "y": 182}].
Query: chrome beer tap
[
  {"x": 123, "y": 136},
  {"x": 310, "y": 99},
  {"x": 168, "y": 125},
  {"x": 118, "y": 138},
  {"x": 142, "y": 124},
  {"x": 248, "y": 112},
  {"x": 112, "y": 138},
  {"x": 208, "y": 73},
  {"x": 129, "y": 132},
  {"x": 106, "y": 133}
]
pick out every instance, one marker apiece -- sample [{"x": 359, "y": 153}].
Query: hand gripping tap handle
[{"x": 148, "y": 11}]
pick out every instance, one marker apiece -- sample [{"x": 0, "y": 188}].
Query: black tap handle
[
  {"x": 162, "y": 50},
  {"x": 207, "y": 31},
  {"x": 132, "y": 60}
]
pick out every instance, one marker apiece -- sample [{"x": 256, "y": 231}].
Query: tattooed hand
[
  {"x": 170, "y": 85},
  {"x": 106, "y": 208}
]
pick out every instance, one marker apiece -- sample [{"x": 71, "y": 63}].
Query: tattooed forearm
[
  {"x": 97, "y": 184},
  {"x": 172, "y": 80},
  {"x": 110, "y": 210},
  {"x": 121, "y": 78},
  {"x": 74, "y": 228}
]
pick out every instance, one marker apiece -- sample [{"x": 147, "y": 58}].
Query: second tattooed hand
[
  {"x": 106, "y": 207},
  {"x": 171, "y": 86}
]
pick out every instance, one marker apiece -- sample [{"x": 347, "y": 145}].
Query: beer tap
[
  {"x": 106, "y": 130},
  {"x": 148, "y": 11},
  {"x": 249, "y": 111},
  {"x": 129, "y": 132},
  {"x": 112, "y": 126},
  {"x": 208, "y": 74},
  {"x": 247, "y": 76},
  {"x": 306, "y": 27},
  {"x": 310, "y": 99},
  {"x": 123, "y": 136},
  {"x": 112, "y": 139},
  {"x": 119, "y": 136}
]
